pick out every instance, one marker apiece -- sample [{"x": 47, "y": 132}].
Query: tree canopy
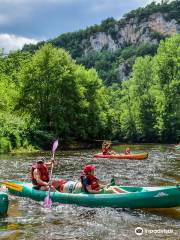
[{"x": 47, "y": 94}]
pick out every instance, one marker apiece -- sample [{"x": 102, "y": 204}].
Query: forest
[{"x": 48, "y": 94}]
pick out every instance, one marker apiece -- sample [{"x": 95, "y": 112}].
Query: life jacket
[
  {"x": 105, "y": 150},
  {"x": 94, "y": 182},
  {"x": 44, "y": 175}
]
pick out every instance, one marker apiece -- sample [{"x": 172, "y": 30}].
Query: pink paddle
[{"x": 47, "y": 200}]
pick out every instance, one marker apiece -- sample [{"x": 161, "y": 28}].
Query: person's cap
[
  {"x": 88, "y": 168},
  {"x": 41, "y": 159}
]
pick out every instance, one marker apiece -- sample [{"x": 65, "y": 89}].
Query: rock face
[
  {"x": 124, "y": 71},
  {"x": 158, "y": 24},
  {"x": 134, "y": 32},
  {"x": 101, "y": 40}
]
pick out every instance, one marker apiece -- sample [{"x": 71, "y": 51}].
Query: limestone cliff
[
  {"x": 134, "y": 32},
  {"x": 112, "y": 46}
]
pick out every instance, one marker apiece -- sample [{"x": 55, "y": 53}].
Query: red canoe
[{"x": 134, "y": 156}]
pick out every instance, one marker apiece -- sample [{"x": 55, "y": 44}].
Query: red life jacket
[
  {"x": 105, "y": 150},
  {"x": 94, "y": 182},
  {"x": 44, "y": 174}
]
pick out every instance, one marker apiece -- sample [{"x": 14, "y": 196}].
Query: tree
[
  {"x": 62, "y": 97},
  {"x": 12, "y": 126},
  {"x": 142, "y": 99},
  {"x": 166, "y": 75}
]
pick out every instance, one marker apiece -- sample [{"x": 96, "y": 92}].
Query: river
[{"x": 28, "y": 219}]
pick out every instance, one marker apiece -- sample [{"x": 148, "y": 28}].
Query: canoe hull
[
  {"x": 177, "y": 147},
  {"x": 139, "y": 156},
  {"x": 137, "y": 197},
  {"x": 3, "y": 203}
]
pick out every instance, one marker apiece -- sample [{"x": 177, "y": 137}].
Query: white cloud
[{"x": 10, "y": 42}]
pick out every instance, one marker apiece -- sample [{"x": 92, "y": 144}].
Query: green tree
[
  {"x": 12, "y": 125},
  {"x": 166, "y": 75},
  {"x": 127, "y": 116},
  {"x": 62, "y": 97},
  {"x": 142, "y": 99}
]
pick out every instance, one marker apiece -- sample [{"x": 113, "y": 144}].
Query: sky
[{"x": 30, "y": 21}]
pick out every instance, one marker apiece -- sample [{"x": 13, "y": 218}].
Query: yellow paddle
[{"x": 12, "y": 185}]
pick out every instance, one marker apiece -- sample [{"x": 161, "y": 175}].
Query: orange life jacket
[{"x": 44, "y": 174}]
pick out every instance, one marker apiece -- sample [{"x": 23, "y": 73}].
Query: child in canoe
[
  {"x": 91, "y": 184},
  {"x": 106, "y": 148},
  {"x": 127, "y": 151}
]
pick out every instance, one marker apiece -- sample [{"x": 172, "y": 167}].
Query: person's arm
[
  {"x": 103, "y": 145},
  {"x": 109, "y": 145},
  {"x": 48, "y": 164},
  {"x": 102, "y": 184},
  {"x": 90, "y": 190},
  {"x": 38, "y": 178}
]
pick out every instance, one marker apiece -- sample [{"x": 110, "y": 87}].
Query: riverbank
[
  {"x": 80, "y": 146},
  {"x": 41, "y": 144}
]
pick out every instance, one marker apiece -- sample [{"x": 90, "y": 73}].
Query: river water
[{"x": 28, "y": 219}]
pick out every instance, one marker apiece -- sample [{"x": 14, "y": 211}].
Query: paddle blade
[
  {"x": 47, "y": 201},
  {"x": 55, "y": 145}
]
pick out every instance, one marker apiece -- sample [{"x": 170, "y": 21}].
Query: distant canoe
[
  {"x": 135, "y": 156},
  {"x": 3, "y": 203}
]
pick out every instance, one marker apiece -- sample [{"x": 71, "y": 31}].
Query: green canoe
[
  {"x": 3, "y": 203},
  {"x": 135, "y": 197},
  {"x": 177, "y": 147}
]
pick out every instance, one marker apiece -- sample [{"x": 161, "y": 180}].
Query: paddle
[
  {"x": 47, "y": 200},
  {"x": 109, "y": 141},
  {"x": 11, "y": 185}
]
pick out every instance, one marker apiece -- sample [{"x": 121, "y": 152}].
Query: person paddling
[
  {"x": 40, "y": 176},
  {"x": 91, "y": 184},
  {"x": 106, "y": 148}
]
